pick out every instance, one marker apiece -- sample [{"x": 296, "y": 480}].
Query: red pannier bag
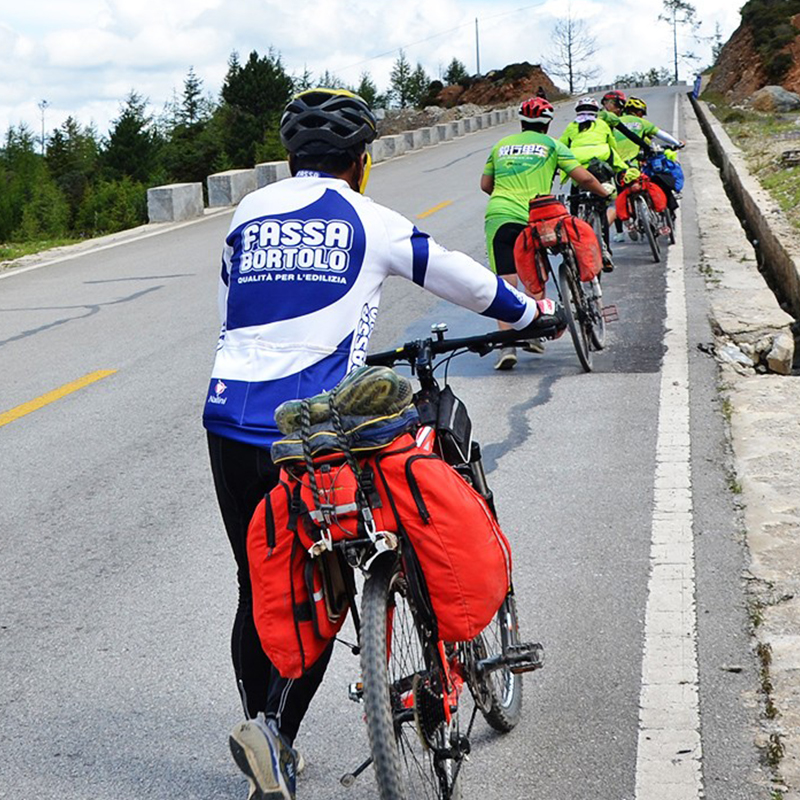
[
  {"x": 464, "y": 556},
  {"x": 545, "y": 214},
  {"x": 300, "y": 602},
  {"x": 550, "y": 224},
  {"x": 624, "y": 202},
  {"x": 588, "y": 254}
]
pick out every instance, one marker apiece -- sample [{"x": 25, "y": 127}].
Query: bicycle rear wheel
[
  {"x": 594, "y": 297},
  {"x": 402, "y": 686},
  {"x": 573, "y": 300},
  {"x": 669, "y": 218},
  {"x": 646, "y": 217}
]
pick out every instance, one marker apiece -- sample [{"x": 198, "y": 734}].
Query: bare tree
[
  {"x": 679, "y": 13},
  {"x": 573, "y": 47}
]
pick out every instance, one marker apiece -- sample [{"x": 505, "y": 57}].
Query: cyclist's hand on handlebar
[
  {"x": 551, "y": 319},
  {"x": 611, "y": 189}
]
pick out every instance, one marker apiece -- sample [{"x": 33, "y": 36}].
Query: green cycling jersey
[
  {"x": 522, "y": 166},
  {"x": 641, "y": 127},
  {"x": 609, "y": 117},
  {"x": 596, "y": 141}
]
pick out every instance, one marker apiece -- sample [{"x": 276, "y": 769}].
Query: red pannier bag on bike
[
  {"x": 588, "y": 254},
  {"x": 549, "y": 224},
  {"x": 545, "y": 214},
  {"x": 299, "y": 601},
  {"x": 624, "y": 202},
  {"x": 464, "y": 556}
]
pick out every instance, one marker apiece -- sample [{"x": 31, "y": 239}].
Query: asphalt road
[{"x": 117, "y": 589}]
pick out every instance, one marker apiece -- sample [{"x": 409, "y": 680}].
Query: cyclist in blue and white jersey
[{"x": 303, "y": 265}]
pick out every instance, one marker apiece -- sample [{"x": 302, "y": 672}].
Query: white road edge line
[
  {"x": 669, "y": 754},
  {"x": 11, "y": 271}
]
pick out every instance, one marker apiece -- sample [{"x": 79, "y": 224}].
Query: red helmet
[
  {"x": 535, "y": 109},
  {"x": 617, "y": 96}
]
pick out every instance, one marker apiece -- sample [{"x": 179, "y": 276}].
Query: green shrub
[
  {"x": 45, "y": 215},
  {"x": 112, "y": 206}
]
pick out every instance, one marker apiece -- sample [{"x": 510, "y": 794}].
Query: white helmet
[{"x": 587, "y": 104}]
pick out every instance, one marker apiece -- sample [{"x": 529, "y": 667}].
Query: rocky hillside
[
  {"x": 471, "y": 96},
  {"x": 764, "y": 50},
  {"x": 500, "y": 87}
]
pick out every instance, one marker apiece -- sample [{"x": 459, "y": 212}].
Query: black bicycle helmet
[{"x": 320, "y": 121}]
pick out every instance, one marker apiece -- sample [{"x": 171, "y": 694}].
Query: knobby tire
[
  {"x": 572, "y": 298},
  {"x": 504, "y": 688},
  {"x": 646, "y": 216},
  {"x": 404, "y": 767}
]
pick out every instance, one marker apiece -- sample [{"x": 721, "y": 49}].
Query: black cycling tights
[{"x": 243, "y": 474}]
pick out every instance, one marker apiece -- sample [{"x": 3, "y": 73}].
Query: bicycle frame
[{"x": 450, "y": 666}]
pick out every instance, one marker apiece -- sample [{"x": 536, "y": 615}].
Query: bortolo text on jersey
[{"x": 314, "y": 244}]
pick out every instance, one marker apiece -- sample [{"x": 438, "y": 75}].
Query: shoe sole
[
  {"x": 506, "y": 363},
  {"x": 246, "y": 751}
]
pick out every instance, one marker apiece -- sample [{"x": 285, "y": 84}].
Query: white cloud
[{"x": 85, "y": 56}]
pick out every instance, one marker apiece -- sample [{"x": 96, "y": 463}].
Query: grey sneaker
[
  {"x": 264, "y": 756},
  {"x": 507, "y": 359},
  {"x": 533, "y": 346},
  {"x": 617, "y": 238},
  {"x": 608, "y": 264}
]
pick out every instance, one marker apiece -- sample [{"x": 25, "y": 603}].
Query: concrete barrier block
[
  {"x": 408, "y": 139},
  {"x": 457, "y": 127},
  {"x": 486, "y": 119},
  {"x": 444, "y": 131},
  {"x": 421, "y": 137},
  {"x": 424, "y": 136},
  {"x": 271, "y": 172},
  {"x": 470, "y": 125},
  {"x": 229, "y": 187},
  {"x": 175, "y": 202},
  {"x": 388, "y": 147},
  {"x": 498, "y": 117}
]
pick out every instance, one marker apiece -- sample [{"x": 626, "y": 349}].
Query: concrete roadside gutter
[{"x": 763, "y": 409}]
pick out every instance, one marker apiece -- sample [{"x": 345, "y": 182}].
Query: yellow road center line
[
  {"x": 434, "y": 209},
  {"x": 56, "y": 394}
]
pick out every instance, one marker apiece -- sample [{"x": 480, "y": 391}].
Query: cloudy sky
[{"x": 85, "y": 56}]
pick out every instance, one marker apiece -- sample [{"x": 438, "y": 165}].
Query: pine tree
[
  {"x": 132, "y": 148},
  {"x": 455, "y": 72},
  {"x": 254, "y": 96},
  {"x": 399, "y": 81}
]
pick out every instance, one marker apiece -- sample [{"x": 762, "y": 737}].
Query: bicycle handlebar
[{"x": 482, "y": 345}]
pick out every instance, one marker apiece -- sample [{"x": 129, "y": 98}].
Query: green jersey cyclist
[{"x": 520, "y": 167}]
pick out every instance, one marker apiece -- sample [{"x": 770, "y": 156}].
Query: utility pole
[
  {"x": 43, "y": 104},
  {"x": 675, "y": 40},
  {"x": 477, "y": 50}
]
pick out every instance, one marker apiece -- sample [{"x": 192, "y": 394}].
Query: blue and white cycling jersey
[{"x": 302, "y": 269}]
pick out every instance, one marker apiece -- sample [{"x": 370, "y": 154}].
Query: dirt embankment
[{"x": 740, "y": 70}]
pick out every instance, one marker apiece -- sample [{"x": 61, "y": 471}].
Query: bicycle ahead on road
[
  {"x": 412, "y": 681},
  {"x": 582, "y": 300}
]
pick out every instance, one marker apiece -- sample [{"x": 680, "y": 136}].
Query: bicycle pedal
[
  {"x": 610, "y": 313},
  {"x": 525, "y": 657}
]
